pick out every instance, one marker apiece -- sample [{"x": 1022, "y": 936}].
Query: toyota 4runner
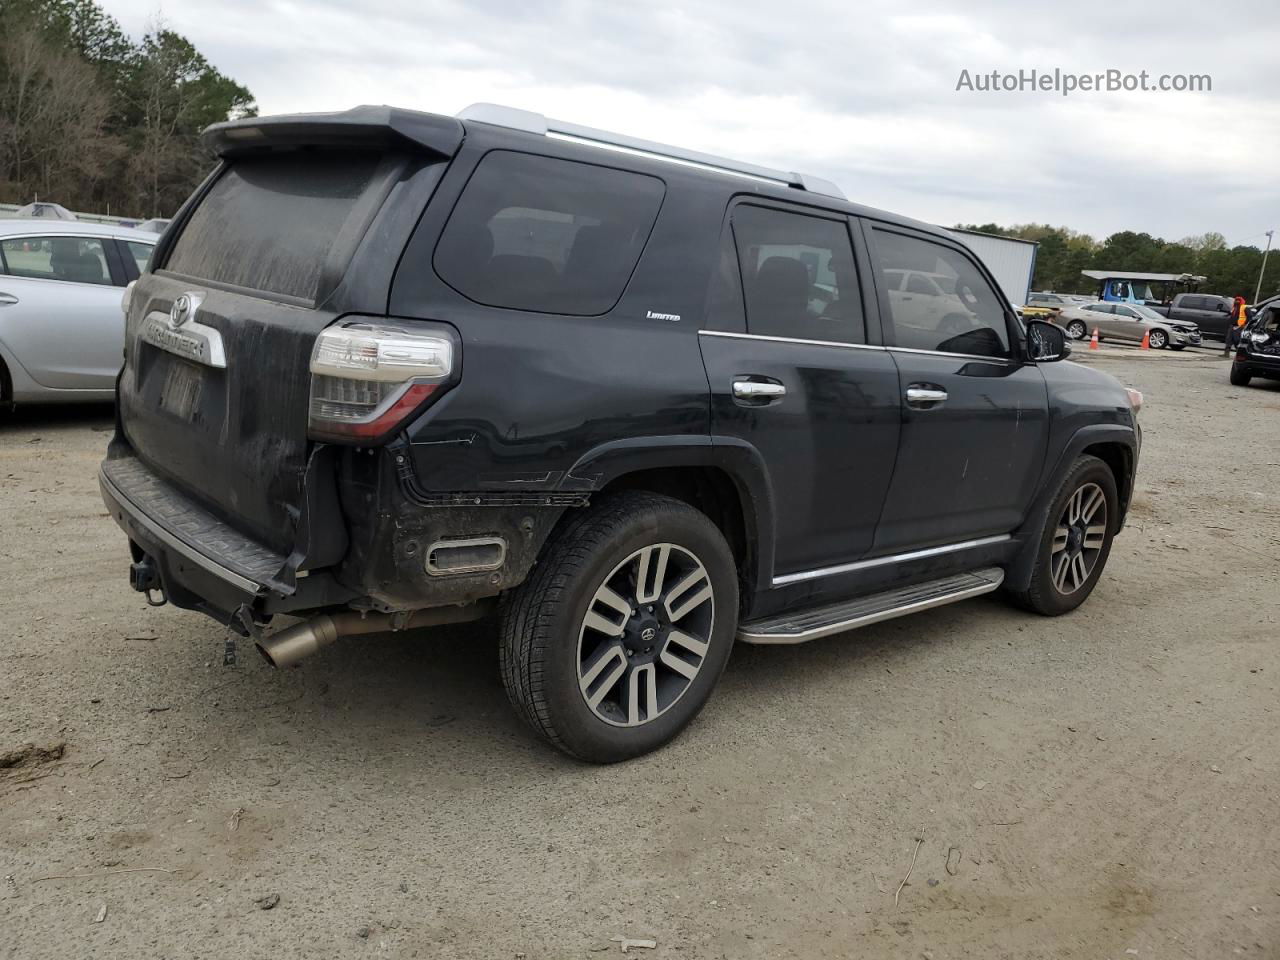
[{"x": 389, "y": 369}]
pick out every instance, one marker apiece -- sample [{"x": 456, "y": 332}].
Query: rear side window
[
  {"x": 953, "y": 310},
  {"x": 141, "y": 253},
  {"x": 74, "y": 259},
  {"x": 271, "y": 223},
  {"x": 547, "y": 235},
  {"x": 798, "y": 275}
]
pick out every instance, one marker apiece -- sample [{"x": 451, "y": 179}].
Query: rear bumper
[
  {"x": 1258, "y": 364},
  {"x": 218, "y": 576}
]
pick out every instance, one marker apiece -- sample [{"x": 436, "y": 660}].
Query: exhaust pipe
[{"x": 293, "y": 644}]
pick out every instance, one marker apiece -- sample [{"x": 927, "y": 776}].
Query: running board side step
[{"x": 797, "y": 627}]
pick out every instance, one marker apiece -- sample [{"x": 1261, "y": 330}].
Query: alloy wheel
[
  {"x": 1076, "y": 330},
  {"x": 1079, "y": 538},
  {"x": 1158, "y": 339},
  {"x": 645, "y": 635}
]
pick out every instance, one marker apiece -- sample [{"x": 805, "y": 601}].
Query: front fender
[{"x": 1018, "y": 574}]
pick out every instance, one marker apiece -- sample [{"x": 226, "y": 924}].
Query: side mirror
[{"x": 1047, "y": 342}]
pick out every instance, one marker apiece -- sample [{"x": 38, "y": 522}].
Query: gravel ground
[{"x": 1099, "y": 785}]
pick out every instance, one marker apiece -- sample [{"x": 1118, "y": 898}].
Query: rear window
[
  {"x": 272, "y": 223},
  {"x": 547, "y": 235}
]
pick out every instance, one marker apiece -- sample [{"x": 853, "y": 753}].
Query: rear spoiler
[{"x": 367, "y": 127}]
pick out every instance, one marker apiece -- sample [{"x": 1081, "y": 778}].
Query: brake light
[{"x": 368, "y": 377}]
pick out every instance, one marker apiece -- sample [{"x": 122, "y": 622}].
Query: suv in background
[
  {"x": 1258, "y": 353},
  {"x": 389, "y": 369},
  {"x": 1211, "y": 313}
]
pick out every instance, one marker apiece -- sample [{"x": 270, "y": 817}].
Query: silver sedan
[
  {"x": 61, "y": 327},
  {"x": 1127, "y": 321}
]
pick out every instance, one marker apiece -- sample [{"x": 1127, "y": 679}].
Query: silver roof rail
[{"x": 538, "y": 124}]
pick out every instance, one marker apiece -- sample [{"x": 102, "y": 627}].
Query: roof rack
[{"x": 536, "y": 123}]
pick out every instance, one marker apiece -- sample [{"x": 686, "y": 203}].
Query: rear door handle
[
  {"x": 7, "y": 299},
  {"x": 925, "y": 396},
  {"x": 761, "y": 391}
]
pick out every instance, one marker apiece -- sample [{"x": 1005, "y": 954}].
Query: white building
[{"x": 1011, "y": 261}]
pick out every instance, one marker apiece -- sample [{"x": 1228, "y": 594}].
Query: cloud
[{"x": 863, "y": 94}]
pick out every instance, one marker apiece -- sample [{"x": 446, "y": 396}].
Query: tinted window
[
  {"x": 554, "y": 236},
  {"x": 962, "y": 313},
  {"x": 1126, "y": 312},
  {"x": 141, "y": 253},
  {"x": 798, "y": 275},
  {"x": 271, "y": 223},
  {"x": 1194, "y": 303},
  {"x": 1101, "y": 308},
  {"x": 75, "y": 259}
]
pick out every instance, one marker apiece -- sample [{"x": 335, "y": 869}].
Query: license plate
[{"x": 180, "y": 394}]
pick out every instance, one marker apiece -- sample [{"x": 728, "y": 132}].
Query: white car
[
  {"x": 931, "y": 296},
  {"x": 61, "y": 326}
]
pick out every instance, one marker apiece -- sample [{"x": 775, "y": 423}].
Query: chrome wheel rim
[
  {"x": 1078, "y": 539},
  {"x": 645, "y": 635},
  {"x": 1076, "y": 330},
  {"x": 1158, "y": 339}
]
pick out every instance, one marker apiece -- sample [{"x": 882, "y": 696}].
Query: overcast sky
[{"x": 861, "y": 93}]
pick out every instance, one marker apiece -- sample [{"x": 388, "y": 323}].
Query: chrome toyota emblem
[
  {"x": 183, "y": 309},
  {"x": 647, "y": 634}
]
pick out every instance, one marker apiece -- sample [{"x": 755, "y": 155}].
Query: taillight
[{"x": 367, "y": 377}]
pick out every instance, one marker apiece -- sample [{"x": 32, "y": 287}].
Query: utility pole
[{"x": 1258, "y": 290}]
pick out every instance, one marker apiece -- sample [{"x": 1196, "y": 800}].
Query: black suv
[
  {"x": 389, "y": 369},
  {"x": 1258, "y": 353}
]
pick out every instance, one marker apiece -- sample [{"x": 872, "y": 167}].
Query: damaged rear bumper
[{"x": 193, "y": 558}]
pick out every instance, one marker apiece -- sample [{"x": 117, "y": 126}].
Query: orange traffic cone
[
  {"x": 1093, "y": 341},
  {"x": 1146, "y": 340}
]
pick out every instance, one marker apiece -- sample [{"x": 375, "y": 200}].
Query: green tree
[{"x": 90, "y": 119}]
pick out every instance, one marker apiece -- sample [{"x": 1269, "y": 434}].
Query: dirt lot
[{"x": 1100, "y": 785}]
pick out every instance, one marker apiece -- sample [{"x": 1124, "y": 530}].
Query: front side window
[
  {"x": 1126, "y": 313},
  {"x": 798, "y": 275},
  {"x": 547, "y": 235},
  {"x": 960, "y": 312},
  {"x": 73, "y": 259}
]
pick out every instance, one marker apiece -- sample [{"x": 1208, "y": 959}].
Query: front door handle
[
  {"x": 7, "y": 299},
  {"x": 761, "y": 391},
  {"x": 925, "y": 396}
]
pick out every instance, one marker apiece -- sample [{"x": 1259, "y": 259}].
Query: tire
[
  {"x": 1240, "y": 375},
  {"x": 1047, "y": 594},
  {"x": 1077, "y": 330},
  {"x": 1158, "y": 339},
  {"x": 1179, "y": 346},
  {"x": 558, "y": 647}
]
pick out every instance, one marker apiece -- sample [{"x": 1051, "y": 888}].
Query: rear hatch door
[{"x": 214, "y": 393}]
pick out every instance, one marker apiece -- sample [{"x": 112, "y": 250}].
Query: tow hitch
[{"x": 144, "y": 578}]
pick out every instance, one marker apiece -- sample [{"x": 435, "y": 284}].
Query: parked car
[
  {"x": 1258, "y": 353},
  {"x": 1056, "y": 301},
  {"x": 156, "y": 225},
  {"x": 44, "y": 211},
  {"x": 1128, "y": 321},
  {"x": 637, "y": 401},
  {"x": 1211, "y": 313},
  {"x": 61, "y": 331},
  {"x": 1038, "y": 313}
]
